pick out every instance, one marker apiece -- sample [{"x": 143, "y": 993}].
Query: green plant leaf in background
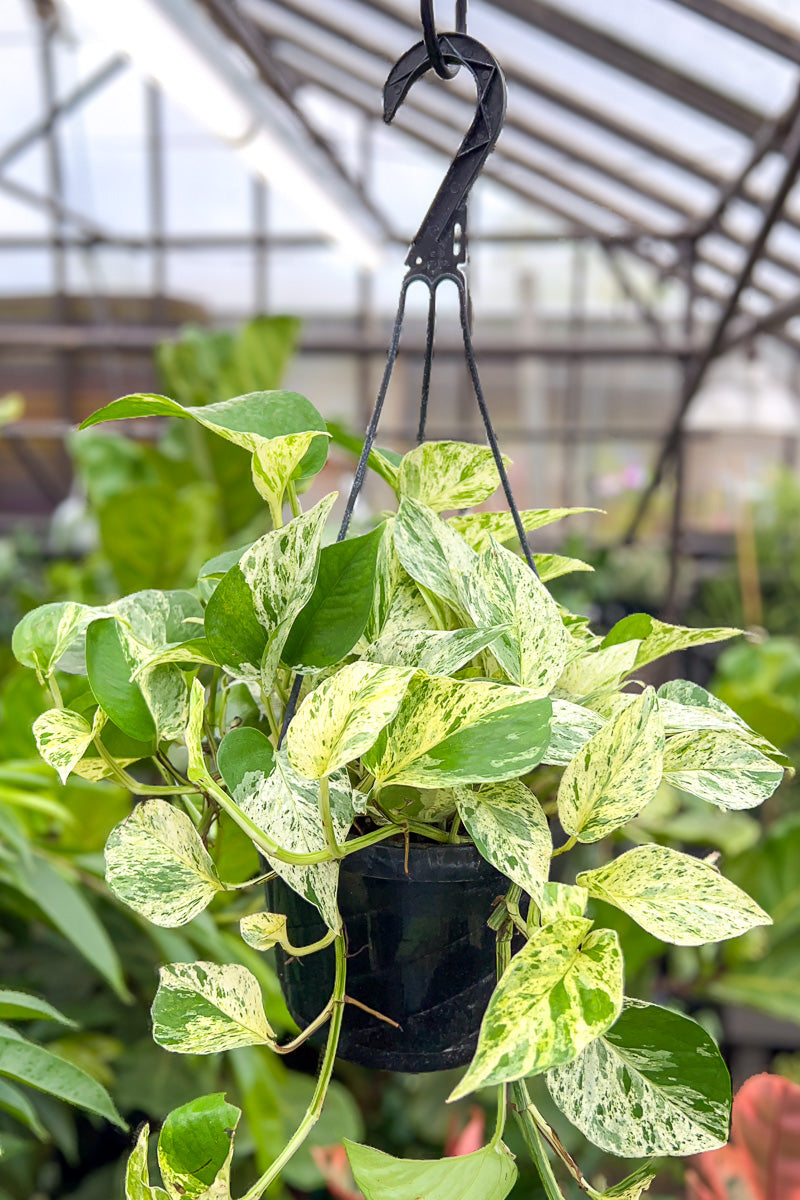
[
  {"x": 342, "y": 717},
  {"x": 195, "y": 1148},
  {"x": 33, "y": 1065},
  {"x": 110, "y": 678},
  {"x": 450, "y": 731},
  {"x": 15, "y": 1102},
  {"x": 653, "y": 1084},
  {"x": 721, "y": 768},
  {"x": 507, "y": 824},
  {"x": 657, "y": 638},
  {"x": 617, "y": 772},
  {"x": 157, "y": 864},
  {"x": 562, "y": 990},
  {"x": 243, "y": 751},
  {"x": 479, "y": 528},
  {"x": 336, "y": 614},
  {"x": 487, "y": 1174},
  {"x": 19, "y": 1006},
  {"x": 445, "y": 475},
  {"x": 675, "y": 897},
  {"x": 202, "y": 1007}
]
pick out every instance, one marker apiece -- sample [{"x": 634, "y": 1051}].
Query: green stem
[
  {"x": 127, "y": 781},
  {"x": 533, "y": 1141},
  {"x": 294, "y": 503},
  {"x": 55, "y": 691},
  {"x": 567, "y": 846},
  {"x": 327, "y": 818},
  {"x": 317, "y": 1100}
]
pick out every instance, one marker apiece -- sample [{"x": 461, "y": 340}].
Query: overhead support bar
[{"x": 763, "y": 27}]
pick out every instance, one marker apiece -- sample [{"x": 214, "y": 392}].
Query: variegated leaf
[
  {"x": 274, "y": 463},
  {"x": 202, "y": 1008},
  {"x": 598, "y": 669},
  {"x": 487, "y": 1174},
  {"x": 151, "y": 621},
  {"x": 156, "y": 863},
  {"x": 686, "y": 706},
  {"x": 44, "y": 635},
  {"x": 445, "y": 475},
  {"x": 633, "y": 1186},
  {"x": 720, "y": 767},
  {"x": 479, "y": 528},
  {"x": 286, "y": 806},
  {"x": 263, "y": 930},
  {"x": 195, "y": 1149},
  {"x": 562, "y": 990},
  {"x": 570, "y": 729},
  {"x": 616, "y": 774},
  {"x": 63, "y": 737},
  {"x": 193, "y": 733},
  {"x": 166, "y": 694},
  {"x": 432, "y": 553},
  {"x": 675, "y": 897},
  {"x": 137, "y": 1172},
  {"x": 340, "y": 719},
  {"x": 502, "y": 589},
  {"x": 654, "y": 1084},
  {"x": 658, "y": 638},
  {"x": 562, "y": 901},
  {"x": 509, "y": 828},
  {"x": 253, "y": 608},
  {"x": 436, "y": 653},
  {"x": 450, "y": 731},
  {"x": 553, "y": 566}
]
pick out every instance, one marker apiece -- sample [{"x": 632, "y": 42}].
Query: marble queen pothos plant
[{"x": 435, "y": 661}]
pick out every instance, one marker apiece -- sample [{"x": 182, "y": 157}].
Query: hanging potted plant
[{"x": 441, "y": 689}]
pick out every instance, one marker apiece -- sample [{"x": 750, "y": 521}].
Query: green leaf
[
  {"x": 70, "y": 913},
  {"x": 561, "y": 991},
  {"x": 553, "y": 566},
  {"x": 195, "y": 1148},
  {"x": 110, "y": 679},
  {"x": 137, "y": 1174},
  {"x": 63, "y": 737},
  {"x": 19, "y": 1006},
  {"x": 242, "y": 751},
  {"x": 502, "y": 589},
  {"x": 431, "y": 552},
  {"x": 509, "y": 828},
  {"x": 616, "y": 774},
  {"x": 275, "y": 463},
  {"x": 450, "y": 731},
  {"x": 27, "y": 1063},
  {"x": 479, "y": 528},
  {"x": 383, "y": 462},
  {"x": 654, "y": 1084},
  {"x": 342, "y": 717},
  {"x": 157, "y": 864},
  {"x": 675, "y": 897},
  {"x": 336, "y": 614},
  {"x": 487, "y": 1174},
  {"x": 431, "y": 651},
  {"x": 202, "y": 1007},
  {"x": 632, "y": 1187},
  {"x": 286, "y": 806},
  {"x": 658, "y": 638},
  {"x": 249, "y": 421},
  {"x": 562, "y": 901},
  {"x": 570, "y": 729},
  {"x": 17, "y": 1105},
  {"x": 46, "y": 633},
  {"x": 446, "y": 475},
  {"x": 252, "y": 610},
  {"x": 598, "y": 669},
  {"x": 719, "y": 767}
]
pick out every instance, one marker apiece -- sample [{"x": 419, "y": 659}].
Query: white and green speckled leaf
[
  {"x": 502, "y": 589},
  {"x": 616, "y": 774},
  {"x": 686, "y": 706},
  {"x": 509, "y": 828},
  {"x": 560, "y": 901},
  {"x": 633, "y": 1186},
  {"x": 150, "y": 621},
  {"x": 562, "y": 990},
  {"x": 654, "y": 1084},
  {"x": 202, "y": 1008},
  {"x": 598, "y": 669},
  {"x": 63, "y": 737},
  {"x": 342, "y": 717},
  {"x": 432, "y": 651},
  {"x": 675, "y": 897},
  {"x": 195, "y": 1148},
  {"x": 432, "y": 553},
  {"x": 45, "y": 634},
  {"x": 286, "y": 806},
  {"x": 553, "y": 566},
  {"x": 263, "y": 930},
  {"x": 276, "y": 462},
  {"x": 157, "y": 864},
  {"x": 487, "y": 1174},
  {"x": 450, "y": 731},
  {"x": 721, "y": 768},
  {"x": 478, "y": 528},
  {"x": 445, "y": 475},
  {"x": 166, "y": 694},
  {"x": 658, "y": 638},
  {"x": 570, "y": 730},
  {"x": 137, "y": 1172}
]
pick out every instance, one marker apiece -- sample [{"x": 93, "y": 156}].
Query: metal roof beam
[{"x": 763, "y": 28}]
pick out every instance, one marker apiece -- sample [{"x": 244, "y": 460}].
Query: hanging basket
[{"x": 419, "y": 952}]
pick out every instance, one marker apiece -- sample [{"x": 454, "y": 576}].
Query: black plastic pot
[{"x": 419, "y": 951}]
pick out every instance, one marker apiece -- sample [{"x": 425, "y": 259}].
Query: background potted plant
[{"x": 450, "y": 713}]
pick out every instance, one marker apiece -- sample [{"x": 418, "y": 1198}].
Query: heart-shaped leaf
[{"x": 202, "y": 1008}]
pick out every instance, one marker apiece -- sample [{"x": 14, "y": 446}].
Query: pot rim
[{"x": 428, "y": 862}]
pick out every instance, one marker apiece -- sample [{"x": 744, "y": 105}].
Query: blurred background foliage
[{"x": 147, "y": 514}]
